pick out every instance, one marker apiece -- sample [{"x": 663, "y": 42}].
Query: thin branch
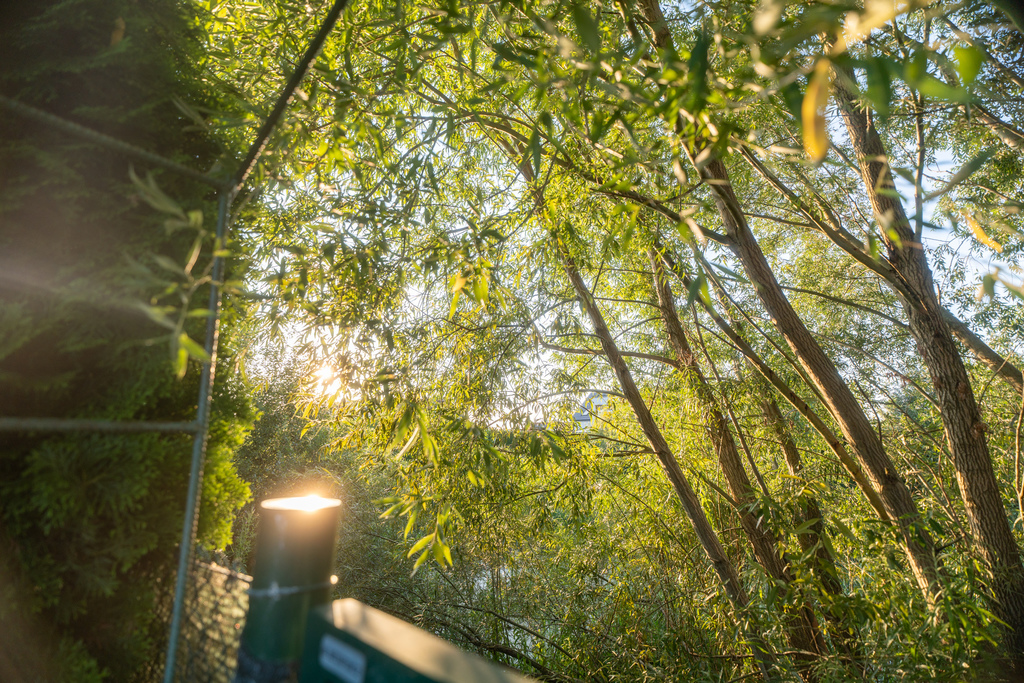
[{"x": 596, "y": 352}]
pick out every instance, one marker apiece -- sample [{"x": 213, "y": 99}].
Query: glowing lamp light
[{"x": 310, "y": 503}]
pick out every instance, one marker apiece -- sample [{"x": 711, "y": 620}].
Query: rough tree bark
[
  {"x": 801, "y": 625},
  {"x": 961, "y": 418},
  {"x": 840, "y": 400}
]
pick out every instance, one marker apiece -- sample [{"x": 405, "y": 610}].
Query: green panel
[
  {"x": 329, "y": 653},
  {"x": 348, "y": 642}
]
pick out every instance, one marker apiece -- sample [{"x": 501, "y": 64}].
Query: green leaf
[
  {"x": 193, "y": 349},
  {"x": 845, "y": 530},
  {"x": 168, "y": 265},
  {"x": 557, "y": 452},
  {"x": 404, "y": 422},
  {"x": 697, "y": 68},
  {"x": 535, "y": 447},
  {"x": 154, "y": 196},
  {"x": 930, "y": 86},
  {"x": 419, "y": 562},
  {"x": 731, "y": 273},
  {"x": 587, "y": 27},
  {"x": 535, "y": 153},
  {"x": 421, "y": 544},
  {"x": 391, "y": 510},
  {"x": 793, "y": 98},
  {"x": 158, "y": 315},
  {"x": 915, "y": 68},
  {"x": 806, "y": 526},
  {"x": 411, "y": 522},
  {"x": 988, "y": 287},
  {"x": 180, "y": 362},
  {"x": 879, "y": 89},
  {"x": 455, "y": 303},
  {"x": 968, "y": 62},
  {"x": 430, "y": 447},
  {"x": 599, "y": 126},
  {"x": 965, "y": 172},
  {"x": 696, "y": 286},
  {"x": 480, "y": 288}
]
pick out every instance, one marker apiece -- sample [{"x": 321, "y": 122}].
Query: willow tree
[{"x": 465, "y": 223}]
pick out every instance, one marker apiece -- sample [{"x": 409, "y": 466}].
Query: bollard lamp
[{"x": 291, "y": 573}]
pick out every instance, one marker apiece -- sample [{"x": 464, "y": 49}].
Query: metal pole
[
  {"x": 256, "y": 149},
  {"x": 59, "y": 424},
  {"x": 206, "y": 382},
  {"x": 291, "y": 573},
  {"x": 109, "y": 142},
  {"x": 188, "y": 530}
]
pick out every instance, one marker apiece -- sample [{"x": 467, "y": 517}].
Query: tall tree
[{"x": 405, "y": 235}]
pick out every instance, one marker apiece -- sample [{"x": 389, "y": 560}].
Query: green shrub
[{"x": 90, "y": 523}]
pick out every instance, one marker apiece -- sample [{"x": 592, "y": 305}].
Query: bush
[{"x": 89, "y": 523}]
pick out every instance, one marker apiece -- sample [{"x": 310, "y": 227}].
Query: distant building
[{"x": 590, "y": 410}]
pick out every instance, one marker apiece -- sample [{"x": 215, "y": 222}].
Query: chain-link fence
[
  {"x": 216, "y": 602},
  {"x": 201, "y": 613},
  {"x": 215, "y": 608}
]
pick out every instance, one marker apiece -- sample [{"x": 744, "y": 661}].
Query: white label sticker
[{"x": 342, "y": 660}]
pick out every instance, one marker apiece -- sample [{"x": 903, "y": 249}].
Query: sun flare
[{"x": 328, "y": 382}]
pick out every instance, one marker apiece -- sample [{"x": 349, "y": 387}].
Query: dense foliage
[
  {"x": 90, "y": 523},
  {"x": 810, "y": 466}
]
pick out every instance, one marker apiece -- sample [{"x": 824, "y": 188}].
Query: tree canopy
[
  {"x": 89, "y": 523},
  {"x": 755, "y": 227}
]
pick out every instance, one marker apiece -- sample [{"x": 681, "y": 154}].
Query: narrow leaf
[
  {"x": 420, "y": 544},
  {"x": 965, "y": 172},
  {"x": 180, "y": 362},
  {"x": 192, "y": 348},
  {"x": 587, "y": 27},
  {"x": 813, "y": 111},
  {"x": 968, "y": 62}
]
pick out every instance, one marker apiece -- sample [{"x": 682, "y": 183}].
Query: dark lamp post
[{"x": 291, "y": 573}]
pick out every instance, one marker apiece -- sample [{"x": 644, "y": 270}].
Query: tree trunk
[
  {"x": 709, "y": 541},
  {"x": 706, "y": 535},
  {"x": 834, "y": 443},
  {"x": 961, "y": 418},
  {"x": 801, "y": 627},
  {"x": 841, "y": 402},
  {"x": 899, "y": 505}
]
